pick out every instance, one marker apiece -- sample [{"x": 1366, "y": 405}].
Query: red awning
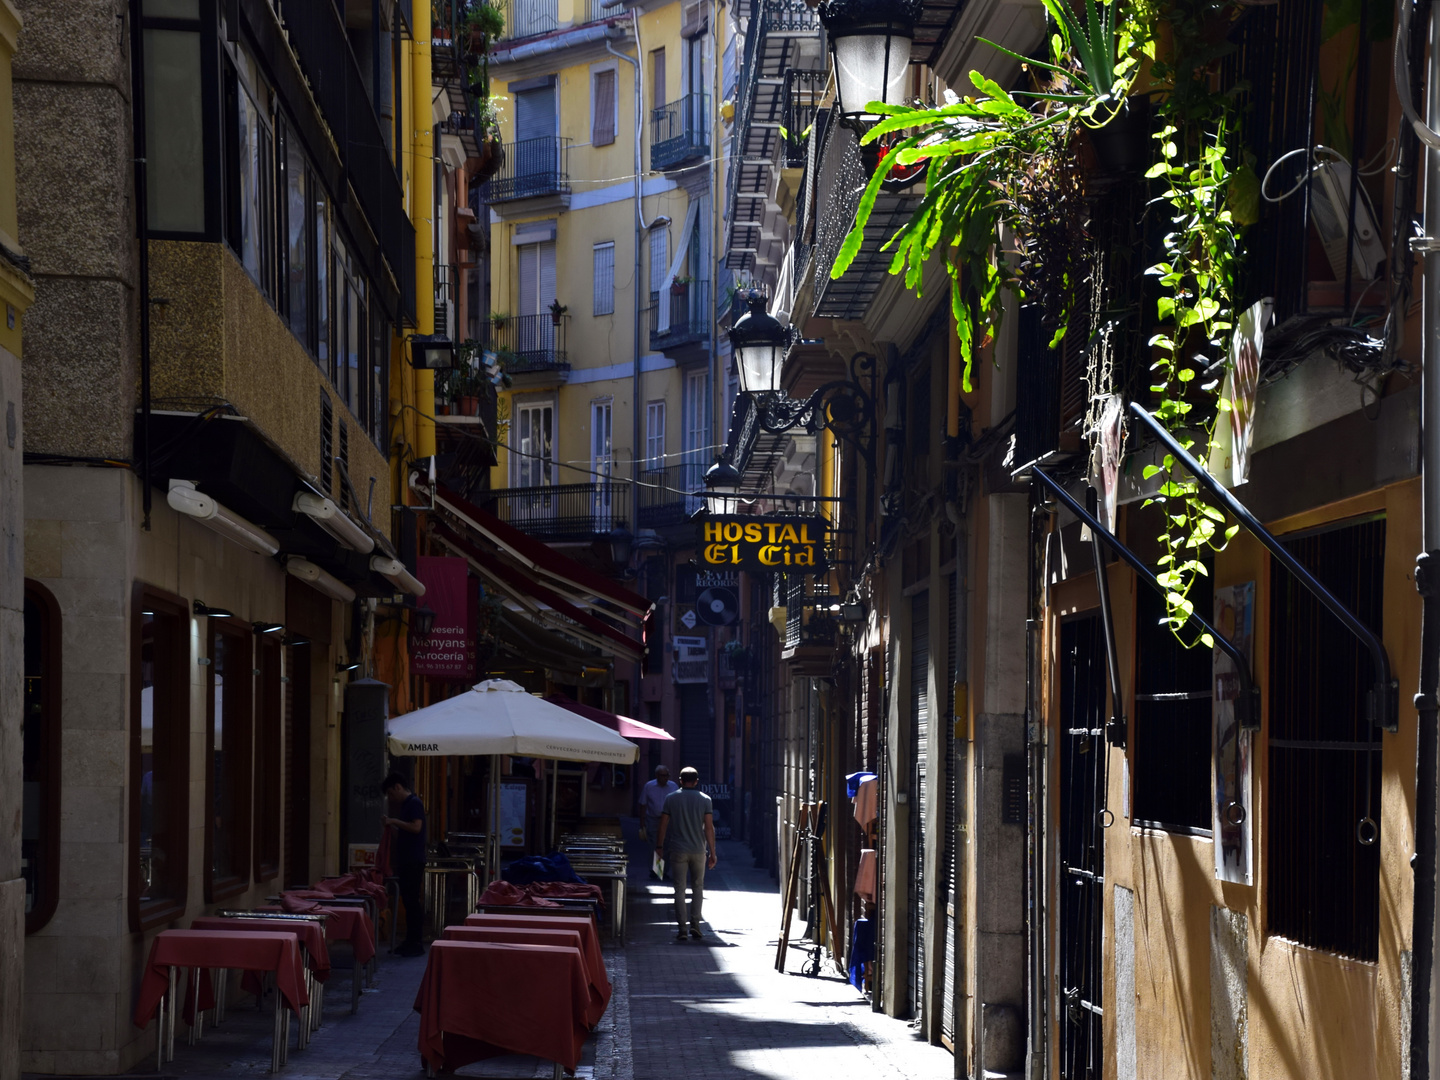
[
  {"x": 630, "y": 728},
  {"x": 567, "y": 575}
]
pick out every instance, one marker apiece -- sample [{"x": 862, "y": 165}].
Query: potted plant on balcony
[
  {"x": 680, "y": 286},
  {"x": 484, "y": 23},
  {"x": 557, "y": 311},
  {"x": 498, "y": 319}
]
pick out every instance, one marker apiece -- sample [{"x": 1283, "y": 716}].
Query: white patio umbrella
[{"x": 499, "y": 717}]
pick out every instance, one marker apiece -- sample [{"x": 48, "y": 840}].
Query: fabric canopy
[
  {"x": 630, "y": 728},
  {"x": 500, "y": 717}
]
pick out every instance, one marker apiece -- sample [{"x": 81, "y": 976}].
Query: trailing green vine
[{"x": 1208, "y": 198}]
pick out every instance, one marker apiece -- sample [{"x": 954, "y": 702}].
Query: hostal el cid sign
[{"x": 793, "y": 545}]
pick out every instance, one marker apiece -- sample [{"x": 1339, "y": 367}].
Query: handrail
[
  {"x": 1381, "y": 701},
  {"x": 1247, "y": 705}
]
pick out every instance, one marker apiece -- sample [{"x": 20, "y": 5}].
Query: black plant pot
[{"x": 1123, "y": 145}]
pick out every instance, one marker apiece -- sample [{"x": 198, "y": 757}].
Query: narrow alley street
[{"x": 711, "y": 1010}]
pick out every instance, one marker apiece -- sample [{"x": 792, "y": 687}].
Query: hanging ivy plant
[{"x": 1001, "y": 181}]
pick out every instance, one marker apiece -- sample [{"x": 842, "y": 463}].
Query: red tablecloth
[
  {"x": 482, "y": 999},
  {"x": 243, "y": 949},
  {"x": 570, "y": 939},
  {"x": 585, "y": 925},
  {"x": 350, "y": 924},
  {"x": 309, "y": 934}
]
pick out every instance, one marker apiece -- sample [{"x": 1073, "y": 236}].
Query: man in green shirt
[{"x": 687, "y": 821}]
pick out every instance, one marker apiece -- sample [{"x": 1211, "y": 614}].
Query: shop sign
[
  {"x": 792, "y": 545},
  {"x": 691, "y": 663},
  {"x": 448, "y": 651}
]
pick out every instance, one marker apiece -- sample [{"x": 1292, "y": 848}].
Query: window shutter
[
  {"x": 603, "y": 121},
  {"x": 604, "y": 279},
  {"x": 547, "y": 277},
  {"x": 535, "y": 113},
  {"x": 528, "y": 293},
  {"x": 657, "y": 78}
]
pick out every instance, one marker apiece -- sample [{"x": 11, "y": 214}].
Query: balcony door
[
  {"x": 537, "y": 149},
  {"x": 534, "y": 327},
  {"x": 602, "y": 464},
  {"x": 697, "y": 435},
  {"x": 533, "y": 463}
]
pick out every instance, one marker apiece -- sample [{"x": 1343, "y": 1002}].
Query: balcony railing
[
  {"x": 532, "y": 168},
  {"x": 804, "y": 90},
  {"x": 527, "y": 344},
  {"x": 563, "y": 512},
  {"x": 446, "y": 280},
  {"x": 664, "y": 495},
  {"x": 680, "y": 131},
  {"x": 688, "y": 316}
]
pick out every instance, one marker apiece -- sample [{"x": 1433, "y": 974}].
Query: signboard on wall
[
  {"x": 792, "y": 545},
  {"x": 692, "y": 660},
  {"x": 448, "y": 651}
]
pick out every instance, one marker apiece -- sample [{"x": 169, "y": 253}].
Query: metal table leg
[
  {"x": 197, "y": 1018},
  {"x": 222, "y": 987},
  {"x": 174, "y": 1008},
  {"x": 277, "y": 1036},
  {"x": 160, "y": 1036}
]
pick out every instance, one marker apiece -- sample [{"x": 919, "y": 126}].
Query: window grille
[
  {"x": 1323, "y": 882},
  {"x": 602, "y": 118}
]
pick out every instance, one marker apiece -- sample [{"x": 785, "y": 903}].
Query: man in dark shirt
[{"x": 407, "y": 850}]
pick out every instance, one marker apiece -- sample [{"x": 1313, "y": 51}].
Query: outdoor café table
[
  {"x": 311, "y": 936},
  {"x": 483, "y": 999},
  {"x": 571, "y": 939},
  {"x": 350, "y": 924},
  {"x": 205, "y": 950}
]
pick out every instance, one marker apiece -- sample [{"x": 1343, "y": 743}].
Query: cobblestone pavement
[{"x": 702, "y": 1010}]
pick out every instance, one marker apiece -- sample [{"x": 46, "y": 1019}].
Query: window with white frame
[
  {"x": 697, "y": 427},
  {"x": 534, "y": 433},
  {"x": 602, "y": 461},
  {"x": 655, "y": 435},
  {"x": 659, "y": 259},
  {"x": 605, "y": 278}
]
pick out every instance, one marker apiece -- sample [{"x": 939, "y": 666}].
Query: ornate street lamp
[
  {"x": 870, "y": 49},
  {"x": 759, "y": 343},
  {"x": 722, "y": 488}
]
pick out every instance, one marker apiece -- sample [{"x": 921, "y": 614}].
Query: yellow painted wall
[
  {"x": 597, "y": 341},
  {"x": 1309, "y": 1013}
]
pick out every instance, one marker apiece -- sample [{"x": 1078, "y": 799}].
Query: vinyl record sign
[
  {"x": 718, "y": 606},
  {"x": 791, "y": 545}
]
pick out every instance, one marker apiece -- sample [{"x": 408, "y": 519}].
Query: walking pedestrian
[
  {"x": 652, "y": 798},
  {"x": 408, "y": 852},
  {"x": 687, "y": 821}
]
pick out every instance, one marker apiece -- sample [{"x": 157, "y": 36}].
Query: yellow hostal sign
[{"x": 792, "y": 545}]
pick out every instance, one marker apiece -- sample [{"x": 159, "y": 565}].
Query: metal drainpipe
[
  {"x": 1427, "y": 580},
  {"x": 635, "y": 384},
  {"x": 142, "y": 229}
]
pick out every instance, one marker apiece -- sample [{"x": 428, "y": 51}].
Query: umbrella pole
[
  {"x": 554, "y": 799},
  {"x": 494, "y": 861}
]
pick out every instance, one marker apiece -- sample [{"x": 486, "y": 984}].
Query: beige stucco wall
[
  {"x": 85, "y": 544},
  {"x": 1307, "y": 1012},
  {"x": 216, "y": 338}
]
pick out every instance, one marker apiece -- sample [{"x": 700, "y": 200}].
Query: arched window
[{"x": 40, "y": 758}]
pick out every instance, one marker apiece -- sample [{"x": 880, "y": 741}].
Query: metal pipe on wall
[{"x": 1427, "y": 581}]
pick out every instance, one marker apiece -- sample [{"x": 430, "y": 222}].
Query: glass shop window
[
  {"x": 40, "y": 757},
  {"x": 161, "y": 766},
  {"x": 227, "y": 735}
]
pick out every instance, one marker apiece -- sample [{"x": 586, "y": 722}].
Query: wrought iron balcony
[
  {"x": 688, "y": 317},
  {"x": 527, "y": 344},
  {"x": 804, "y": 90},
  {"x": 680, "y": 131},
  {"x": 663, "y": 495},
  {"x": 532, "y": 168},
  {"x": 563, "y": 512}
]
